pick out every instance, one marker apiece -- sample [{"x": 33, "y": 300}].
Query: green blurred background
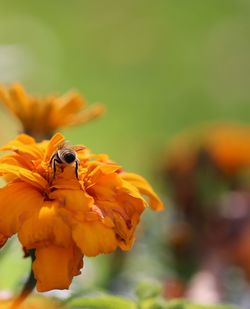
[{"x": 159, "y": 67}]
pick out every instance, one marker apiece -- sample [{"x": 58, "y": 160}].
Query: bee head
[{"x": 69, "y": 157}]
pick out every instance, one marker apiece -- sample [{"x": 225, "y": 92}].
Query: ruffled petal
[
  {"x": 74, "y": 204},
  {"x": 125, "y": 233},
  {"x": 144, "y": 187},
  {"x": 24, "y": 174},
  {"x": 18, "y": 201},
  {"x": 54, "y": 267},
  {"x": 130, "y": 198},
  {"x": 103, "y": 186},
  {"x": 120, "y": 201},
  {"x": 125, "y": 217},
  {"x": 94, "y": 237},
  {"x": 44, "y": 227},
  {"x": 24, "y": 145},
  {"x": 101, "y": 169}
]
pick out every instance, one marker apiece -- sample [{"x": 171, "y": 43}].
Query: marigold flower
[
  {"x": 62, "y": 217},
  {"x": 229, "y": 146},
  {"x": 226, "y": 144},
  {"x": 207, "y": 169},
  {"x": 41, "y": 117}
]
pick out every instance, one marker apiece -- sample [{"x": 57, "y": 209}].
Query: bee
[{"x": 65, "y": 155}]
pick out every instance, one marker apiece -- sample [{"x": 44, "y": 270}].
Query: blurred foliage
[
  {"x": 12, "y": 266},
  {"x": 148, "y": 294}
]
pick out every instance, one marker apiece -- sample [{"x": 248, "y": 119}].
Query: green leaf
[
  {"x": 102, "y": 302},
  {"x": 148, "y": 290},
  {"x": 191, "y": 306},
  {"x": 184, "y": 304},
  {"x": 176, "y": 304},
  {"x": 153, "y": 303}
]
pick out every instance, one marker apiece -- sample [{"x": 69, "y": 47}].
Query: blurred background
[{"x": 160, "y": 67}]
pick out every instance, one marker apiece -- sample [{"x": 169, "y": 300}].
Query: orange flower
[
  {"x": 41, "y": 117},
  {"x": 62, "y": 217},
  {"x": 229, "y": 146},
  {"x": 226, "y": 144}
]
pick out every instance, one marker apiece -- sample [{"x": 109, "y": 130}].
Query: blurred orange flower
[
  {"x": 64, "y": 217},
  {"x": 227, "y": 145},
  {"x": 41, "y": 117},
  {"x": 207, "y": 170}
]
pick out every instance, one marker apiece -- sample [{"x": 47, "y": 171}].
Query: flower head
[
  {"x": 64, "y": 217},
  {"x": 41, "y": 117},
  {"x": 227, "y": 145},
  {"x": 207, "y": 169}
]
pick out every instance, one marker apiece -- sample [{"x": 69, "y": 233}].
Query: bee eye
[{"x": 69, "y": 157}]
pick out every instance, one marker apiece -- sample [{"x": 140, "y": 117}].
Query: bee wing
[
  {"x": 62, "y": 145},
  {"x": 67, "y": 144}
]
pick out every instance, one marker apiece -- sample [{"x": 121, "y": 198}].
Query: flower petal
[
  {"x": 16, "y": 159},
  {"x": 69, "y": 103},
  {"x": 74, "y": 204},
  {"x": 90, "y": 113},
  {"x": 144, "y": 187},
  {"x": 103, "y": 186},
  {"x": 24, "y": 174},
  {"x": 56, "y": 140},
  {"x": 94, "y": 237},
  {"x": 54, "y": 267},
  {"x": 125, "y": 216},
  {"x": 126, "y": 233},
  {"x": 21, "y": 100},
  {"x": 24, "y": 144},
  {"x": 101, "y": 169},
  {"x": 17, "y": 202},
  {"x": 5, "y": 98},
  {"x": 45, "y": 226}
]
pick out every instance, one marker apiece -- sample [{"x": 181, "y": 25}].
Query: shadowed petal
[
  {"x": 54, "y": 267},
  {"x": 94, "y": 238},
  {"x": 75, "y": 203},
  {"x": 18, "y": 201},
  {"x": 45, "y": 226}
]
